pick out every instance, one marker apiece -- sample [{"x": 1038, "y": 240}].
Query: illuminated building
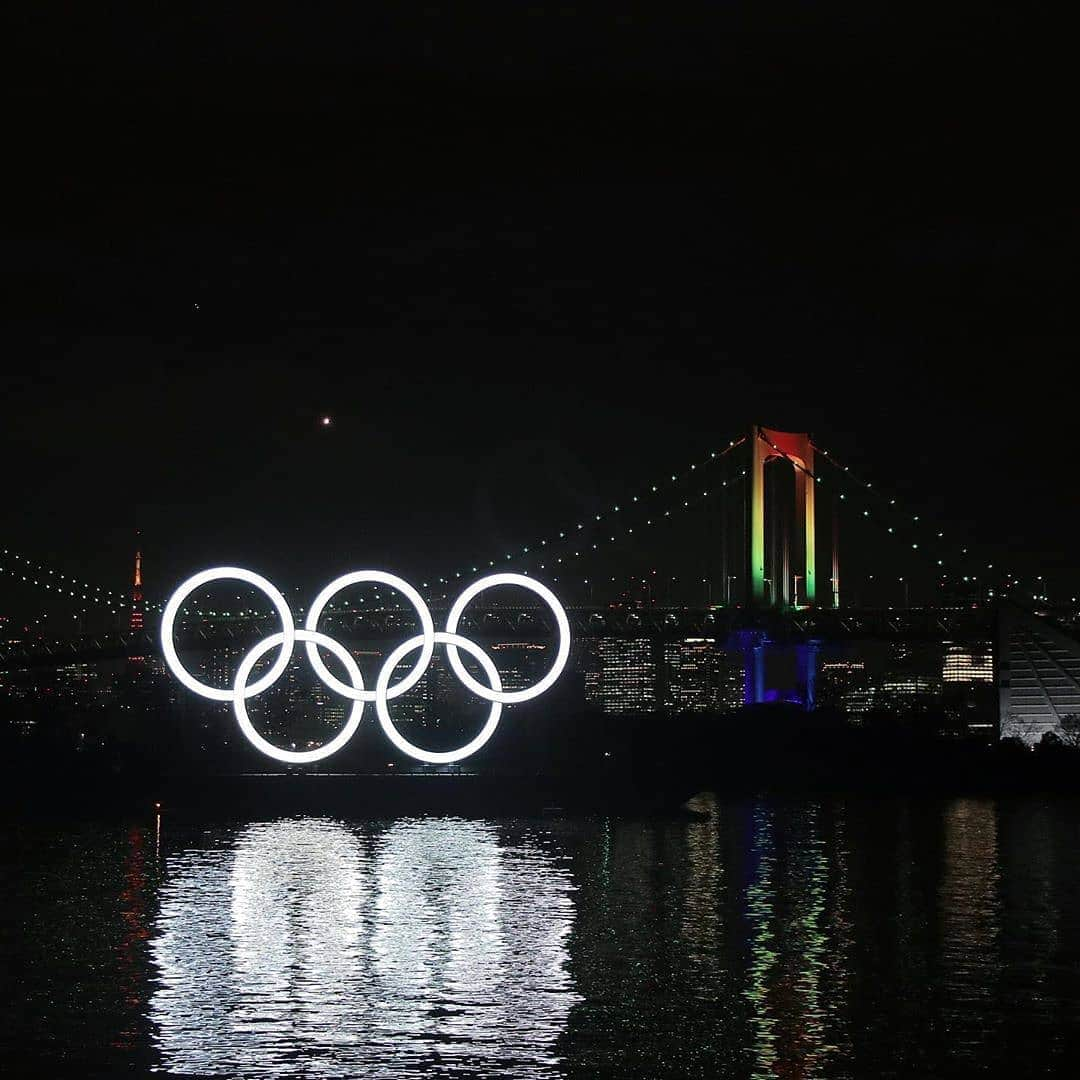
[
  {"x": 700, "y": 677},
  {"x": 845, "y": 685},
  {"x": 1040, "y": 684},
  {"x": 968, "y": 674},
  {"x": 592, "y": 686},
  {"x": 729, "y": 680},
  {"x": 584, "y": 658},
  {"x": 967, "y": 664},
  {"x": 906, "y": 682},
  {"x": 688, "y": 667},
  {"x": 902, "y": 692},
  {"x": 625, "y": 678},
  {"x": 641, "y": 675},
  {"x": 520, "y": 663}
]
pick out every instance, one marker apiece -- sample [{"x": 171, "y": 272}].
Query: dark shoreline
[
  {"x": 631, "y": 764},
  {"x": 474, "y": 794}
]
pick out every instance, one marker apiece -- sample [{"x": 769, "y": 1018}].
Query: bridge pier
[
  {"x": 807, "y": 668},
  {"x": 753, "y": 646}
]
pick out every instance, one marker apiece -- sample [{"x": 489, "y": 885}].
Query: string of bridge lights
[
  {"x": 345, "y": 605},
  {"x": 863, "y": 484},
  {"x": 64, "y": 585},
  {"x": 573, "y": 541},
  {"x": 581, "y": 529},
  {"x": 890, "y": 503},
  {"x": 567, "y": 536},
  {"x": 51, "y": 580}
]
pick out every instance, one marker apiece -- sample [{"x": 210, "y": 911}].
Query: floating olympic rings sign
[{"x": 354, "y": 690}]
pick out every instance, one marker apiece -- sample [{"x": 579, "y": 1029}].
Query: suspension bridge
[{"x": 764, "y": 497}]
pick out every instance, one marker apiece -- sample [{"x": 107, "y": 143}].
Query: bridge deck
[{"x": 528, "y": 623}]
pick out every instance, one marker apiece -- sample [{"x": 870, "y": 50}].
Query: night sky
[{"x": 525, "y": 262}]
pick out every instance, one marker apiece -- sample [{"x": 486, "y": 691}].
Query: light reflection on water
[
  {"x": 310, "y": 946},
  {"x": 826, "y": 938},
  {"x": 795, "y": 987}
]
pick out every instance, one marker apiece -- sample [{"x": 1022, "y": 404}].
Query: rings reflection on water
[{"x": 308, "y": 946}]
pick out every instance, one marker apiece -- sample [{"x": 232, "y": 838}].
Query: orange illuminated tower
[{"x": 136, "y": 590}]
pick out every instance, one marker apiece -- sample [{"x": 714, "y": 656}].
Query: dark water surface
[{"x": 799, "y": 938}]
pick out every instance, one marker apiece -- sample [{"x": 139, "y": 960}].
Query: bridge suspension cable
[
  {"x": 50, "y": 579},
  {"x": 577, "y": 541},
  {"x": 923, "y": 544},
  {"x": 917, "y": 541}
]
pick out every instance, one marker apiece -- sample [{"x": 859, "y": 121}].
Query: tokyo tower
[{"x": 136, "y": 622}]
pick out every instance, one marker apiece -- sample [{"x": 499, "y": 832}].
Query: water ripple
[{"x": 312, "y": 948}]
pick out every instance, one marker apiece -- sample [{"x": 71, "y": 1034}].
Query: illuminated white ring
[
  {"x": 495, "y": 694},
  {"x": 202, "y": 578},
  {"x": 427, "y": 627},
  {"x": 241, "y": 691},
  {"x": 436, "y": 757}
]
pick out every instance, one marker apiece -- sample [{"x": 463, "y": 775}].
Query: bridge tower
[
  {"x": 136, "y": 621},
  {"x": 766, "y": 444}
]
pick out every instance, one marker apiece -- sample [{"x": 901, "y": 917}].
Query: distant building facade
[{"x": 634, "y": 675}]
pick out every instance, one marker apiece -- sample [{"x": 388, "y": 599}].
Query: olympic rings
[
  {"x": 545, "y": 594},
  {"x": 451, "y": 641},
  {"x": 185, "y": 590},
  {"x": 426, "y": 625},
  {"x": 354, "y": 690},
  {"x": 240, "y": 706}
]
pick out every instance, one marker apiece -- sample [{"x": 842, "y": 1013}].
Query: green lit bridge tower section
[{"x": 766, "y": 444}]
